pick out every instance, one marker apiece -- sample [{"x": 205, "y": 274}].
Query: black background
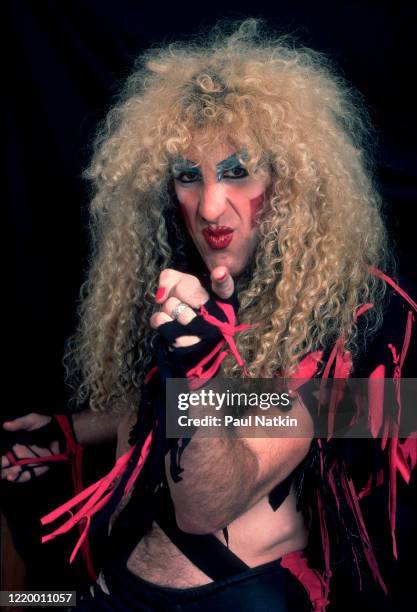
[{"x": 63, "y": 65}]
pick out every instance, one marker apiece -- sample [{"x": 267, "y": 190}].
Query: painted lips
[{"x": 219, "y": 237}]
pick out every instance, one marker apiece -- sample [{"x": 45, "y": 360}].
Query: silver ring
[{"x": 178, "y": 309}]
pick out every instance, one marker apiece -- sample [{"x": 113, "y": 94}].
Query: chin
[{"x": 234, "y": 266}]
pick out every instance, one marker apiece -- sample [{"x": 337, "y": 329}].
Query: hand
[
  {"x": 175, "y": 287},
  {"x": 23, "y": 473}
]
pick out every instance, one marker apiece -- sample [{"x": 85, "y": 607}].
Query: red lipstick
[{"x": 218, "y": 237}]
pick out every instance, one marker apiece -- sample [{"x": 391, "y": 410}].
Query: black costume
[{"x": 329, "y": 483}]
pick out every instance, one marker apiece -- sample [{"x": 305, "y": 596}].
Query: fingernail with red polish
[{"x": 160, "y": 293}]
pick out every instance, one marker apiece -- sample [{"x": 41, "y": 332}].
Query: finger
[
  {"x": 22, "y": 451},
  {"x": 41, "y": 451},
  {"x": 41, "y": 469},
  {"x": 11, "y": 473},
  {"x": 55, "y": 447},
  {"x": 190, "y": 291},
  {"x": 25, "y": 475},
  {"x": 27, "y": 422},
  {"x": 186, "y": 287},
  {"x": 222, "y": 282},
  {"x": 158, "y": 318},
  {"x": 185, "y": 315},
  {"x": 167, "y": 281},
  {"x": 3, "y": 474},
  {"x": 4, "y": 462},
  {"x": 15, "y": 473},
  {"x": 24, "y": 422}
]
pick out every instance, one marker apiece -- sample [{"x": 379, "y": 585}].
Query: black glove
[
  {"x": 40, "y": 437},
  {"x": 183, "y": 359}
]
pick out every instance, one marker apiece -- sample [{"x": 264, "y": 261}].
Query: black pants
[{"x": 268, "y": 587}]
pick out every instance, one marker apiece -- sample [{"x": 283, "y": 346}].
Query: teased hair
[{"x": 319, "y": 232}]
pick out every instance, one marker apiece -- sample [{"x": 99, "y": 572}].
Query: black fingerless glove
[
  {"x": 215, "y": 325},
  {"x": 59, "y": 428}
]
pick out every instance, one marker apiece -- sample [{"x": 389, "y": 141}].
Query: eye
[
  {"x": 236, "y": 173},
  {"x": 188, "y": 177}
]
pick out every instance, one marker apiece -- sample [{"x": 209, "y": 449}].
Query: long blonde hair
[{"x": 319, "y": 232}]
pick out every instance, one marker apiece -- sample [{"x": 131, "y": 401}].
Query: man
[{"x": 232, "y": 191}]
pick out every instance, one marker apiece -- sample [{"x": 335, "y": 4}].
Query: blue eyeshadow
[{"x": 230, "y": 163}]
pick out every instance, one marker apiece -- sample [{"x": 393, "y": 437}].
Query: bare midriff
[{"x": 257, "y": 536}]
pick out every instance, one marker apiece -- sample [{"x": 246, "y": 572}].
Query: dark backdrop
[{"x": 64, "y": 63}]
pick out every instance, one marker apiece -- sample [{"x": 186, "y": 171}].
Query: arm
[
  {"x": 94, "y": 427},
  {"x": 89, "y": 428},
  {"x": 224, "y": 476}
]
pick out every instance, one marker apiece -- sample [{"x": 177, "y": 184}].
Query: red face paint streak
[{"x": 255, "y": 206}]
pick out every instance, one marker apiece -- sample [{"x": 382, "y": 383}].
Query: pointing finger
[{"x": 222, "y": 282}]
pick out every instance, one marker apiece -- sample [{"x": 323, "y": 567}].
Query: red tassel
[
  {"x": 74, "y": 454},
  {"x": 196, "y": 375},
  {"x": 95, "y": 497},
  {"x": 376, "y": 400},
  {"x": 394, "y": 285},
  {"x": 352, "y": 500},
  {"x": 297, "y": 564},
  {"x": 324, "y": 532}
]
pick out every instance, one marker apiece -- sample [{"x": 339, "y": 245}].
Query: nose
[{"x": 213, "y": 202}]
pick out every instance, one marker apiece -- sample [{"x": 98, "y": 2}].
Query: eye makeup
[
  {"x": 230, "y": 163},
  {"x": 186, "y": 167}
]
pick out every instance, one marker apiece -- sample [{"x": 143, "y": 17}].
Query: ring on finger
[{"x": 178, "y": 310}]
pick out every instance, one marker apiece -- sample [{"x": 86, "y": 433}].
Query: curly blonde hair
[{"x": 319, "y": 232}]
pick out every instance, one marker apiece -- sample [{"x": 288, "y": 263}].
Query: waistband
[{"x": 267, "y": 586}]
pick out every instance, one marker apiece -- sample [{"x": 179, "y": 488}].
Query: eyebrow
[
  {"x": 229, "y": 163},
  {"x": 182, "y": 165},
  {"x": 233, "y": 161}
]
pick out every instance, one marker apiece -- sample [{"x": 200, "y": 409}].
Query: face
[{"x": 220, "y": 204}]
